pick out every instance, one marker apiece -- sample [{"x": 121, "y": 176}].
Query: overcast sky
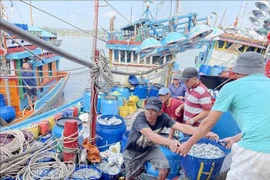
[{"x": 80, "y": 13}]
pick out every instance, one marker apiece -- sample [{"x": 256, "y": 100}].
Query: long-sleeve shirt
[
  {"x": 28, "y": 81},
  {"x": 177, "y": 91}
]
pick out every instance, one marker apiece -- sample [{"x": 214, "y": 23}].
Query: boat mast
[
  {"x": 3, "y": 64},
  {"x": 177, "y": 9},
  {"x": 93, "y": 99},
  {"x": 31, "y": 16}
]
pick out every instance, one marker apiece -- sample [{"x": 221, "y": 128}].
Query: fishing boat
[
  {"x": 148, "y": 43},
  {"x": 44, "y": 64},
  {"x": 220, "y": 55}
]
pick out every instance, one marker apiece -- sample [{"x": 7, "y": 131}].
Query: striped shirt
[{"x": 197, "y": 99}]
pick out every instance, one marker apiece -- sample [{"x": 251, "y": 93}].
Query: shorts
[
  {"x": 248, "y": 165},
  {"x": 134, "y": 161},
  {"x": 31, "y": 92}
]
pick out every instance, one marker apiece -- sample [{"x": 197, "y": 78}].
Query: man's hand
[
  {"x": 28, "y": 87},
  {"x": 174, "y": 146},
  {"x": 184, "y": 149},
  {"x": 228, "y": 142},
  {"x": 190, "y": 122},
  {"x": 178, "y": 110},
  {"x": 180, "y": 97},
  {"x": 212, "y": 136}
]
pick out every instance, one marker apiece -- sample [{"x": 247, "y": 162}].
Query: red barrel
[{"x": 70, "y": 140}]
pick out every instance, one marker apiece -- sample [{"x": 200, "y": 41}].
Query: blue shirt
[
  {"x": 248, "y": 99},
  {"x": 177, "y": 91},
  {"x": 28, "y": 81}
]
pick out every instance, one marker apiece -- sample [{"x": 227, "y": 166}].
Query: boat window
[
  {"x": 220, "y": 44},
  {"x": 168, "y": 58},
  {"x": 157, "y": 60},
  {"x": 129, "y": 56},
  {"x": 116, "y": 56},
  {"x": 122, "y": 56},
  {"x": 40, "y": 74},
  {"x": 259, "y": 50},
  {"x": 141, "y": 60},
  {"x": 135, "y": 57},
  {"x": 148, "y": 60},
  {"x": 50, "y": 69},
  {"x": 251, "y": 48},
  {"x": 228, "y": 45},
  {"x": 10, "y": 65},
  {"x": 242, "y": 48}
]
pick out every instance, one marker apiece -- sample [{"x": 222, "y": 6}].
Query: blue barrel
[
  {"x": 120, "y": 99},
  {"x": 141, "y": 90},
  {"x": 2, "y": 100},
  {"x": 205, "y": 69},
  {"x": 109, "y": 133},
  {"x": 109, "y": 105},
  {"x": 174, "y": 160},
  {"x": 86, "y": 99},
  {"x": 226, "y": 126},
  {"x": 100, "y": 97},
  {"x": 202, "y": 168},
  {"x": 60, "y": 123},
  {"x": 83, "y": 167},
  {"x": 215, "y": 71},
  {"x": 133, "y": 80},
  {"x": 123, "y": 90},
  {"x": 124, "y": 140},
  {"x": 8, "y": 113},
  {"x": 154, "y": 90},
  {"x": 219, "y": 67}
]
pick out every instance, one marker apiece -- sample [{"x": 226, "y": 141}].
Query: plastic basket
[{"x": 202, "y": 168}]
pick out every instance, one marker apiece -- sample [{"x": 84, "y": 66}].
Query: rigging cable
[{"x": 62, "y": 20}]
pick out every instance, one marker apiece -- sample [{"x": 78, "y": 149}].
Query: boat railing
[
  {"x": 36, "y": 33},
  {"x": 55, "y": 42}
]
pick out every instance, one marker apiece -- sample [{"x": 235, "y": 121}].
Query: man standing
[
  {"x": 29, "y": 80},
  {"x": 144, "y": 138},
  {"x": 169, "y": 105},
  {"x": 197, "y": 100},
  {"x": 248, "y": 99},
  {"x": 177, "y": 89}
]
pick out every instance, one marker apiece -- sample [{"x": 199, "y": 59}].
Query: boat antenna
[
  {"x": 131, "y": 14},
  {"x": 243, "y": 16},
  {"x": 31, "y": 14},
  {"x": 220, "y": 23}
]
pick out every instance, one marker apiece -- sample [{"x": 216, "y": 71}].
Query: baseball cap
[
  {"x": 188, "y": 73},
  {"x": 176, "y": 76},
  {"x": 164, "y": 91},
  {"x": 153, "y": 103}
]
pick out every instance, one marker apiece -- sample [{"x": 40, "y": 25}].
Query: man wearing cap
[
  {"x": 197, "y": 100},
  {"x": 177, "y": 88},
  {"x": 169, "y": 105},
  {"x": 144, "y": 138},
  {"x": 248, "y": 99}
]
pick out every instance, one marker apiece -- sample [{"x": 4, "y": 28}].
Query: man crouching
[{"x": 144, "y": 138}]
